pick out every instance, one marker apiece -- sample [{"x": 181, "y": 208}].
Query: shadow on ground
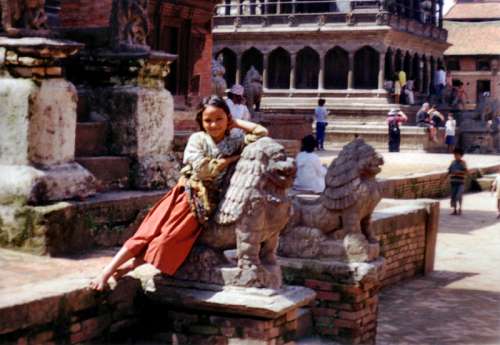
[
  {"x": 425, "y": 311},
  {"x": 469, "y": 221}
]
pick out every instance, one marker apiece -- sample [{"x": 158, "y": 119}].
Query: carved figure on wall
[
  {"x": 23, "y": 17},
  {"x": 250, "y": 217},
  {"x": 219, "y": 84},
  {"x": 253, "y": 89},
  {"x": 336, "y": 225},
  {"x": 130, "y": 25}
]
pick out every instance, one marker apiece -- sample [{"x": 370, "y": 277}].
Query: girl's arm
[
  {"x": 247, "y": 126},
  {"x": 254, "y": 131}
]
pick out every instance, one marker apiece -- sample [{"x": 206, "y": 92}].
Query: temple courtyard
[{"x": 455, "y": 304}]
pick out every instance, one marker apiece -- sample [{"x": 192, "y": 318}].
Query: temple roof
[
  {"x": 473, "y": 38},
  {"x": 474, "y": 11}
]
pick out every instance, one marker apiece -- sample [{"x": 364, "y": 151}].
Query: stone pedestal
[
  {"x": 129, "y": 93},
  {"x": 201, "y": 313},
  {"x": 38, "y": 124},
  {"x": 346, "y": 303}
]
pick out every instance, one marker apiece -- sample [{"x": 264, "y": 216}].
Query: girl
[{"x": 166, "y": 235}]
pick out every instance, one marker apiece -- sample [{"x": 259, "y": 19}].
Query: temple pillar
[
  {"x": 293, "y": 57},
  {"x": 38, "y": 124},
  {"x": 238, "y": 69},
  {"x": 321, "y": 74},
  {"x": 350, "y": 80},
  {"x": 265, "y": 69},
  {"x": 381, "y": 65}
]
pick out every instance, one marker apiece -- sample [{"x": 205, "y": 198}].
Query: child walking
[
  {"x": 450, "y": 129},
  {"x": 496, "y": 187},
  {"x": 169, "y": 230},
  {"x": 457, "y": 172}
]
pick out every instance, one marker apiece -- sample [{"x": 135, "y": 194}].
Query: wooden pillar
[
  {"x": 265, "y": 59},
  {"x": 293, "y": 57},
  {"x": 381, "y": 64},
  {"x": 350, "y": 80},
  {"x": 321, "y": 74},
  {"x": 238, "y": 69}
]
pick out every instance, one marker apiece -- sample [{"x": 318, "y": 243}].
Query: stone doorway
[{"x": 366, "y": 63}]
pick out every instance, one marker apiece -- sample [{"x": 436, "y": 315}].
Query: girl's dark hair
[
  {"x": 308, "y": 143},
  {"x": 214, "y": 101},
  {"x": 321, "y": 102}
]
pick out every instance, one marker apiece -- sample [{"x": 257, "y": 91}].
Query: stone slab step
[
  {"x": 71, "y": 227},
  {"x": 91, "y": 139},
  {"x": 112, "y": 172}
]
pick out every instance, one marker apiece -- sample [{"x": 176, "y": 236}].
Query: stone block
[
  {"x": 255, "y": 302},
  {"x": 141, "y": 127}
]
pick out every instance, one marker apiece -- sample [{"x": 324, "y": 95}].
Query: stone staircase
[{"x": 93, "y": 152}]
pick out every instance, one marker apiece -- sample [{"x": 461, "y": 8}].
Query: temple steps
[
  {"x": 111, "y": 172},
  {"x": 91, "y": 139}
]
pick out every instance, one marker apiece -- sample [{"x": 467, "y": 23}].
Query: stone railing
[{"x": 327, "y": 13}]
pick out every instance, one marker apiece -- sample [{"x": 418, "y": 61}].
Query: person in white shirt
[
  {"x": 236, "y": 103},
  {"x": 450, "y": 129},
  {"x": 310, "y": 172}
]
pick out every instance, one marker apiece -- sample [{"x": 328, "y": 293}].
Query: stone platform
[{"x": 63, "y": 228}]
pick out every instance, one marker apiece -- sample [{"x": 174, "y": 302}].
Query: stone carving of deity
[
  {"x": 130, "y": 25},
  {"x": 21, "y": 17},
  {"x": 219, "y": 84}
]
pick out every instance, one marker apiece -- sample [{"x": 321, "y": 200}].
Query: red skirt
[{"x": 167, "y": 234}]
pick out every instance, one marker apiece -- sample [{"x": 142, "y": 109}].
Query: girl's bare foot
[
  {"x": 101, "y": 282},
  {"x": 130, "y": 266}
]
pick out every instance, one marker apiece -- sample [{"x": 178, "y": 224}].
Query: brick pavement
[{"x": 459, "y": 303}]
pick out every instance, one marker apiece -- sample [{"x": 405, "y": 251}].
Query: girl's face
[{"x": 215, "y": 122}]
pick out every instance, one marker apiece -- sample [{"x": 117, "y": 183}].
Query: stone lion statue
[
  {"x": 336, "y": 224},
  {"x": 219, "y": 84},
  {"x": 250, "y": 217},
  {"x": 253, "y": 89}
]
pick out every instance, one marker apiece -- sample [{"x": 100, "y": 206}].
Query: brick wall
[
  {"x": 403, "y": 235},
  {"x": 85, "y": 13},
  {"x": 72, "y": 315},
  {"x": 431, "y": 185}
]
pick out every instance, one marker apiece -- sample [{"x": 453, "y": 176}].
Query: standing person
[
  {"x": 310, "y": 172},
  {"x": 457, "y": 172},
  {"x": 450, "y": 129},
  {"x": 167, "y": 234},
  {"x": 496, "y": 187},
  {"x": 236, "y": 103},
  {"x": 440, "y": 83},
  {"x": 397, "y": 89},
  {"x": 394, "y": 118},
  {"x": 320, "y": 112},
  {"x": 402, "y": 83},
  {"x": 462, "y": 96}
]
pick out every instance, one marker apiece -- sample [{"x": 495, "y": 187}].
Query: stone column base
[
  {"x": 23, "y": 184},
  {"x": 346, "y": 304},
  {"x": 230, "y": 315}
]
